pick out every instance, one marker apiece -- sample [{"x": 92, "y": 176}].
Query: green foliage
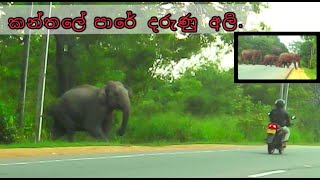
[
  {"x": 307, "y": 49},
  {"x": 7, "y": 125},
  {"x": 177, "y": 127},
  {"x": 253, "y": 126},
  {"x": 311, "y": 73}
]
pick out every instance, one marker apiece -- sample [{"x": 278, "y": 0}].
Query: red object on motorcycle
[{"x": 272, "y": 126}]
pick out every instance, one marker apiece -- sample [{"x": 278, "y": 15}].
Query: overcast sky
[{"x": 289, "y": 39}]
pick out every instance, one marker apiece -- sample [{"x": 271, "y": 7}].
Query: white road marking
[
  {"x": 309, "y": 166},
  {"x": 267, "y": 173},
  {"x": 115, "y": 157}
]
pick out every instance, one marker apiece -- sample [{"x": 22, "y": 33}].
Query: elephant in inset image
[
  {"x": 90, "y": 109},
  {"x": 250, "y": 54},
  {"x": 270, "y": 59},
  {"x": 276, "y": 50},
  {"x": 287, "y": 58}
]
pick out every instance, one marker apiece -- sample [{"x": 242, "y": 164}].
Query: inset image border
[{"x": 236, "y": 69}]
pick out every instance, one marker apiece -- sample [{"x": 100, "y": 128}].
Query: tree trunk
[
  {"x": 23, "y": 81},
  {"x": 23, "y": 78},
  {"x": 40, "y": 86},
  {"x": 310, "y": 65},
  {"x": 64, "y": 67}
]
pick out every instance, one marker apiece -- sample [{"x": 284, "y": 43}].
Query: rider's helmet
[{"x": 279, "y": 103}]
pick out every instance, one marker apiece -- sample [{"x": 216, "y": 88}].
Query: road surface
[
  {"x": 252, "y": 162},
  {"x": 262, "y": 72}
]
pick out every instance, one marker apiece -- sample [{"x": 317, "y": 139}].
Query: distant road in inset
[{"x": 248, "y": 72}]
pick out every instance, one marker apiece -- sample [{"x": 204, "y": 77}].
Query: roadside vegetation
[{"x": 311, "y": 73}]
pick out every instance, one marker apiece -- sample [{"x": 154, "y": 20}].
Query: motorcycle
[{"x": 274, "y": 137}]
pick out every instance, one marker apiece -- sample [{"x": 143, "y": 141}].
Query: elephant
[
  {"x": 287, "y": 58},
  {"x": 90, "y": 109},
  {"x": 270, "y": 59},
  {"x": 251, "y": 54},
  {"x": 276, "y": 50}
]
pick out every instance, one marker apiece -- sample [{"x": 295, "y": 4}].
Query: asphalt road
[
  {"x": 262, "y": 72},
  {"x": 296, "y": 161}
]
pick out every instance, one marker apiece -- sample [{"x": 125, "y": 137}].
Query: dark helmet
[{"x": 280, "y": 103}]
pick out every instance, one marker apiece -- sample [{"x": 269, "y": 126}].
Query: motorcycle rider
[{"x": 280, "y": 116}]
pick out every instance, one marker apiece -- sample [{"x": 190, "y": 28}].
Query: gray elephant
[
  {"x": 287, "y": 58},
  {"x": 270, "y": 59},
  {"x": 90, "y": 109},
  {"x": 250, "y": 54}
]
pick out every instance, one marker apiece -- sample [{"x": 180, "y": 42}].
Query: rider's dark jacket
[{"x": 280, "y": 116}]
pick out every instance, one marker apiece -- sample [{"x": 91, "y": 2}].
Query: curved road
[
  {"x": 246, "y": 72},
  {"x": 252, "y": 162}
]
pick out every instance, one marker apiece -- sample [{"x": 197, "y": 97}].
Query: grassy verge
[
  {"x": 177, "y": 129},
  {"x": 311, "y": 73}
]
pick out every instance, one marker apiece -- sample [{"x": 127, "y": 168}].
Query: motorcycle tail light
[{"x": 272, "y": 126}]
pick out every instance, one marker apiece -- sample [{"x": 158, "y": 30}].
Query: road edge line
[
  {"x": 289, "y": 73},
  {"x": 118, "y": 156},
  {"x": 267, "y": 173}
]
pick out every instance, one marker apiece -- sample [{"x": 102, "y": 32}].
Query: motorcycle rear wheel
[{"x": 270, "y": 148}]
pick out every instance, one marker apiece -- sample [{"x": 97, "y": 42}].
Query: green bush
[
  {"x": 8, "y": 129},
  {"x": 179, "y": 127},
  {"x": 196, "y": 105}
]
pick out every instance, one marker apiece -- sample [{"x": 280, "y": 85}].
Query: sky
[
  {"x": 289, "y": 39},
  {"x": 281, "y": 17}
]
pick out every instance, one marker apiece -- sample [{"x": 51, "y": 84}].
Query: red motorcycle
[{"x": 274, "y": 137}]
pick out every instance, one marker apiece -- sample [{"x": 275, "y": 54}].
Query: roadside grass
[
  {"x": 177, "y": 129},
  {"x": 311, "y": 73}
]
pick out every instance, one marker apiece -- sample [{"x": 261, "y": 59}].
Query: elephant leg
[
  {"x": 68, "y": 126},
  {"x": 107, "y": 124},
  {"x": 70, "y": 134},
  {"x": 97, "y": 133},
  {"x": 57, "y": 131}
]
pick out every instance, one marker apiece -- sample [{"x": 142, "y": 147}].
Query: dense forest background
[{"x": 203, "y": 104}]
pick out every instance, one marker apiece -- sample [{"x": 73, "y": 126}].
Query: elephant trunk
[{"x": 125, "y": 117}]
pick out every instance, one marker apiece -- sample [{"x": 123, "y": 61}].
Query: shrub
[{"x": 7, "y": 127}]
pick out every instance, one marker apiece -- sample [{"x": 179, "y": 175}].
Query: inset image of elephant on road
[
  {"x": 277, "y": 57},
  {"x": 90, "y": 109}
]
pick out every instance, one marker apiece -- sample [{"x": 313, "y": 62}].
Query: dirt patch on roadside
[{"x": 31, "y": 152}]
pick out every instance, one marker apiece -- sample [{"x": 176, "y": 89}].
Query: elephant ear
[
  {"x": 102, "y": 96},
  {"x": 104, "y": 92},
  {"x": 129, "y": 91}
]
